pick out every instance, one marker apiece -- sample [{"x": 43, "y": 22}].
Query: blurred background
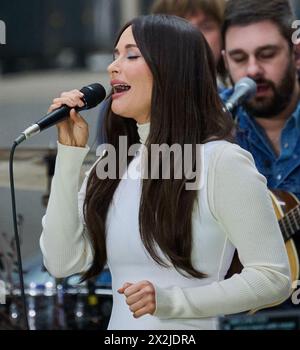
[{"x": 51, "y": 46}]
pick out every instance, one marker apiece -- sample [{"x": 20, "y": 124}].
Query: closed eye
[
  {"x": 128, "y": 57},
  {"x": 239, "y": 58},
  {"x": 267, "y": 54},
  {"x": 133, "y": 57}
]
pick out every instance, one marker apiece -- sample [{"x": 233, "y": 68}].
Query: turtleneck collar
[{"x": 143, "y": 131}]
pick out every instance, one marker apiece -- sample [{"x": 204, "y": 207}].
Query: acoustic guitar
[{"x": 287, "y": 210}]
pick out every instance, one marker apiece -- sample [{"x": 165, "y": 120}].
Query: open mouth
[
  {"x": 262, "y": 86},
  {"x": 118, "y": 89}
]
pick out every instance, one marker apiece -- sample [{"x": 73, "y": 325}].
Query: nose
[
  {"x": 193, "y": 21},
  {"x": 254, "y": 68},
  {"x": 114, "y": 67}
]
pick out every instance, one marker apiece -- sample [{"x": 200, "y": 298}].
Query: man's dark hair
[{"x": 246, "y": 12}]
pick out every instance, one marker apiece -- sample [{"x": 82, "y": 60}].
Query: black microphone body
[
  {"x": 244, "y": 90},
  {"x": 93, "y": 95},
  {"x": 55, "y": 117}
]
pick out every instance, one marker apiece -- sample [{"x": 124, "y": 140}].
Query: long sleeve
[
  {"x": 239, "y": 201},
  {"x": 64, "y": 244}
]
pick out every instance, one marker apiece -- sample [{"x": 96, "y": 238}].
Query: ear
[
  {"x": 224, "y": 55},
  {"x": 297, "y": 55}
]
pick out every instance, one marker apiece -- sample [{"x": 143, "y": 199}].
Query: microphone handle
[
  {"x": 49, "y": 120},
  {"x": 57, "y": 116},
  {"x": 54, "y": 117}
]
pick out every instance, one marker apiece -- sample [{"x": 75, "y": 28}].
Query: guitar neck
[{"x": 290, "y": 223}]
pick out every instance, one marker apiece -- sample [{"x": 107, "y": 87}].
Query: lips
[
  {"x": 119, "y": 87},
  {"x": 262, "y": 88}
]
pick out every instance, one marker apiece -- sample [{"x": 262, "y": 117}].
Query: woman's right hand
[{"x": 73, "y": 131}]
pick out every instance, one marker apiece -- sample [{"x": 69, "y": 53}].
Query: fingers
[
  {"x": 143, "y": 307},
  {"x": 137, "y": 306},
  {"x": 73, "y": 96},
  {"x": 125, "y": 286},
  {"x": 140, "y": 298},
  {"x": 71, "y": 99},
  {"x": 130, "y": 289},
  {"x": 139, "y": 303},
  {"x": 77, "y": 119},
  {"x": 144, "y": 311},
  {"x": 53, "y": 107},
  {"x": 134, "y": 298}
]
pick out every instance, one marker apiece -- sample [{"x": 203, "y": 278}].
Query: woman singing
[{"x": 168, "y": 247}]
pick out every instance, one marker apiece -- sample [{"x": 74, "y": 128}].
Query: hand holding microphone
[
  {"x": 73, "y": 131},
  {"x": 72, "y": 128}
]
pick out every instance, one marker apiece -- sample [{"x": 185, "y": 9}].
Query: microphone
[
  {"x": 93, "y": 95},
  {"x": 244, "y": 89}
]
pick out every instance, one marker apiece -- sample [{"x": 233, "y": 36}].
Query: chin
[{"x": 120, "y": 113}]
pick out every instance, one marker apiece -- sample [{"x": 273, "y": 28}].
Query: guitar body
[{"x": 284, "y": 203}]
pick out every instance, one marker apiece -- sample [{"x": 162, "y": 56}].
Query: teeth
[{"x": 121, "y": 88}]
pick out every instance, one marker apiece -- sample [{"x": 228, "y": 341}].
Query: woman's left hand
[{"x": 140, "y": 298}]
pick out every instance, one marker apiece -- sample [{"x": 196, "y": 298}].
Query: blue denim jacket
[{"x": 282, "y": 172}]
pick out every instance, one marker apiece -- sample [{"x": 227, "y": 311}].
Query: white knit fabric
[{"x": 233, "y": 210}]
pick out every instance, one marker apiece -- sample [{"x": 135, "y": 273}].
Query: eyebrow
[
  {"x": 258, "y": 50},
  {"x": 128, "y": 46}
]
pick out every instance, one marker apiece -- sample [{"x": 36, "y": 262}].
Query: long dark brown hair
[{"x": 185, "y": 109}]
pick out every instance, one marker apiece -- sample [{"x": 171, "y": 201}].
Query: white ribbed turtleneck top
[{"x": 233, "y": 210}]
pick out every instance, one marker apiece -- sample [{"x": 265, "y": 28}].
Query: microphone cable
[{"x": 16, "y": 232}]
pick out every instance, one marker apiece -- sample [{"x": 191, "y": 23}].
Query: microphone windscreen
[
  {"x": 93, "y": 95},
  {"x": 248, "y": 84}
]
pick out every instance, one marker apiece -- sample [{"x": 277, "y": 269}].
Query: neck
[{"x": 143, "y": 131}]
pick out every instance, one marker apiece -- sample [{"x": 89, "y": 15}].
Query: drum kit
[
  {"x": 58, "y": 306},
  {"x": 65, "y": 304}
]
